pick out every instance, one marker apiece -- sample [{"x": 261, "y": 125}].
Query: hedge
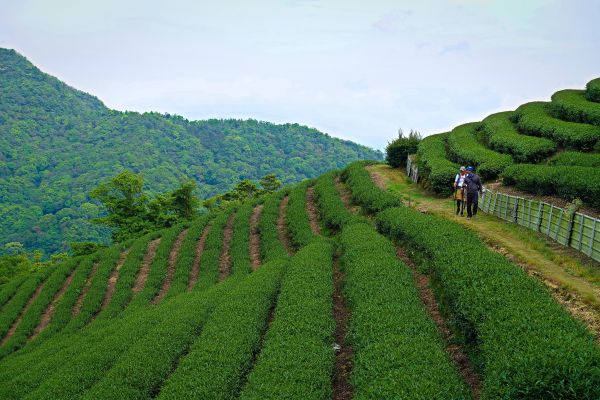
[
  {"x": 364, "y": 190},
  {"x": 187, "y": 255},
  {"x": 435, "y": 170},
  {"x": 501, "y": 136},
  {"x": 576, "y": 158},
  {"x": 10, "y": 288},
  {"x": 592, "y": 90},
  {"x": 209, "y": 262},
  {"x": 572, "y": 105},
  {"x": 271, "y": 247},
  {"x": 464, "y": 148},
  {"x": 220, "y": 358},
  {"x": 296, "y": 216},
  {"x": 331, "y": 207},
  {"x": 297, "y": 357},
  {"x": 568, "y": 182},
  {"x": 240, "y": 242},
  {"x": 534, "y": 119},
  {"x": 526, "y": 345},
  {"x": 390, "y": 328},
  {"x": 31, "y": 318}
]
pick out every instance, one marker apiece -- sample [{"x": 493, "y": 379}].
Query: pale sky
[{"x": 358, "y": 70}]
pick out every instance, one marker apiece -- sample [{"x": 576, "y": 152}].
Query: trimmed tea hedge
[
  {"x": 435, "y": 170},
  {"x": 297, "y": 218},
  {"x": 271, "y": 247},
  {"x": 568, "y": 182},
  {"x": 572, "y": 105},
  {"x": 576, "y": 158},
  {"x": 297, "y": 357},
  {"x": 390, "y": 327},
  {"x": 10, "y": 288},
  {"x": 209, "y": 262},
  {"x": 218, "y": 361},
  {"x": 501, "y": 136},
  {"x": 363, "y": 189},
  {"x": 331, "y": 207},
  {"x": 464, "y": 148},
  {"x": 240, "y": 242},
  {"x": 592, "y": 90},
  {"x": 534, "y": 119},
  {"x": 527, "y": 345}
]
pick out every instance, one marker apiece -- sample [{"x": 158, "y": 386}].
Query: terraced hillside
[
  {"x": 546, "y": 148},
  {"x": 327, "y": 289}
]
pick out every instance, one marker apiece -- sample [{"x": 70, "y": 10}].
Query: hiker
[
  {"x": 459, "y": 191},
  {"x": 474, "y": 188}
]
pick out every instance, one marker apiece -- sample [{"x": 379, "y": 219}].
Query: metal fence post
[
  {"x": 580, "y": 244},
  {"x": 539, "y": 221},
  {"x": 591, "y": 246}
]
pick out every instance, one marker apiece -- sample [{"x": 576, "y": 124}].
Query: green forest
[{"x": 58, "y": 143}]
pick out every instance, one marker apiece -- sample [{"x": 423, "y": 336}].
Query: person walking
[
  {"x": 459, "y": 191},
  {"x": 473, "y": 184}
]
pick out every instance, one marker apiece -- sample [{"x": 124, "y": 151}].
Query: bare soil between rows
[
  {"x": 457, "y": 355},
  {"x": 342, "y": 389},
  {"x": 196, "y": 264},
  {"x": 225, "y": 259},
  {"x": 312, "y": 211},
  {"x": 254, "y": 241},
  {"x": 49, "y": 312},
  {"x": 85, "y": 290},
  {"x": 166, "y": 285},
  {"x": 282, "y": 227},
  {"x": 145, "y": 268},
  {"x": 112, "y": 281},
  {"x": 346, "y": 196},
  {"x": 15, "y": 324}
]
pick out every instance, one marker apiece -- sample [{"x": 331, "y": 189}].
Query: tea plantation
[
  {"x": 313, "y": 292},
  {"x": 546, "y": 148}
]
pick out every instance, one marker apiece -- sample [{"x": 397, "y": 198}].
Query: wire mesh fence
[{"x": 575, "y": 230}]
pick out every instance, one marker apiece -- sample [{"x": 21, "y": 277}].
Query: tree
[
  {"x": 270, "y": 183},
  {"x": 184, "y": 203},
  {"x": 397, "y": 151}
]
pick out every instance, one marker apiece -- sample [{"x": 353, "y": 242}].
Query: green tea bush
[
  {"x": 271, "y": 247},
  {"x": 464, "y": 148},
  {"x": 220, "y": 358},
  {"x": 9, "y": 289},
  {"x": 592, "y": 90},
  {"x": 567, "y": 182},
  {"x": 297, "y": 357},
  {"x": 501, "y": 136},
  {"x": 331, "y": 207},
  {"x": 572, "y": 105},
  {"x": 364, "y": 190},
  {"x": 13, "y": 308},
  {"x": 534, "y": 119},
  {"x": 158, "y": 267},
  {"x": 576, "y": 158},
  {"x": 435, "y": 170},
  {"x": 296, "y": 216},
  {"x": 187, "y": 255},
  {"x": 398, "y": 352},
  {"x": 31, "y": 318},
  {"x": 527, "y": 345},
  {"x": 209, "y": 262},
  {"x": 240, "y": 242}
]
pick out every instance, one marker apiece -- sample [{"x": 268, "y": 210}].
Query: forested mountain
[{"x": 57, "y": 143}]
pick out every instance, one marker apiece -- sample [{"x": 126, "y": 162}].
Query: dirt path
[
  {"x": 346, "y": 196},
  {"x": 225, "y": 259},
  {"x": 312, "y": 211},
  {"x": 282, "y": 227},
  {"x": 15, "y": 324},
  {"x": 342, "y": 390},
  {"x": 140, "y": 282},
  {"x": 112, "y": 281},
  {"x": 573, "y": 281},
  {"x": 85, "y": 290},
  {"x": 458, "y": 357},
  {"x": 171, "y": 267},
  {"x": 196, "y": 265},
  {"x": 255, "y": 237},
  {"x": 49, "y": 313}
]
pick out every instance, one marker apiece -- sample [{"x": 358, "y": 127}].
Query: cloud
[
  {"x": 459, "y": 47},
  {"x": 391, "y": 22}
]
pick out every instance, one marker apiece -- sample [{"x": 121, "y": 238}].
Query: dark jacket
[{"x": 473, "y": 183}]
